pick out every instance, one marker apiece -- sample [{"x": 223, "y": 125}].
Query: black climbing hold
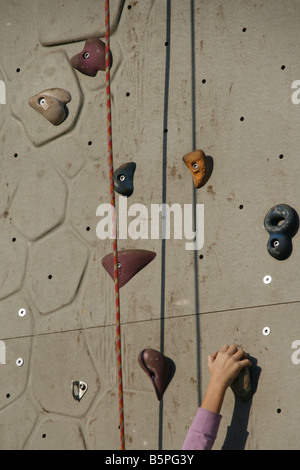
[
  {"x": 123, "y": 179},
  {"x": 282, "y": 223}
]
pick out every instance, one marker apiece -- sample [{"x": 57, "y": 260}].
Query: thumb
[{"x": 211, "y": 358}]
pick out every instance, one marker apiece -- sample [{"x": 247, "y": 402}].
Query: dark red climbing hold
[
  {"x": 281, "y": 222},
  {"x": 130, "y": 262},
  {"x": 91, "y": 58},
  {"x": 158, "y": 368},
  {"x": 123, "y": 179}
]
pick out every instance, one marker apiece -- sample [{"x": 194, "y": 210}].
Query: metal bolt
[
  {"x": 266, "y": 331},
  {"x": 267, "y": 279},
  {"x": 22, "y": 312}
]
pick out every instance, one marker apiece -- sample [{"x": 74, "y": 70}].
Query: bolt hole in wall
[
  {"x": 266, "y": 331},
  {"x": 16, "y": 155},
  {"x": 267, "y": 279},
  {"x": 90, "y": 142},
  {"x": 18, "y": 70},
  {"x": 44, "y": 436},
  {"x": 19, "y": 361},
  {"x": 50, "y": 276}
]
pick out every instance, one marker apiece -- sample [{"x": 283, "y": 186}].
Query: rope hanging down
[{"x": 115, "y": 249}]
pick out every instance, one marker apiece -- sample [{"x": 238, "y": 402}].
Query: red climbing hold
[
  {"x": 91, "y": 58},
  {"x": 158, "y": 368},
  {"x": 130, "y": 262}
]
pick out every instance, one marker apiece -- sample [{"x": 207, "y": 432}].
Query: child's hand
[{"x": 225, "y": 365}]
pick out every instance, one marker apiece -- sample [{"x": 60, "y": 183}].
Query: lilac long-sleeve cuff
[{"x": 203, "y": 430}]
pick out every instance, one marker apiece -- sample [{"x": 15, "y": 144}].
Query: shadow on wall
[{"x": 237, "y": 433}]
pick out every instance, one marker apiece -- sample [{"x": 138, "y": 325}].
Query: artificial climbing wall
[{"x": 214, "y": 75}]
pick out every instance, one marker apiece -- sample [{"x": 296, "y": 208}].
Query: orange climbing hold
[{"x": 200, "y": 166}]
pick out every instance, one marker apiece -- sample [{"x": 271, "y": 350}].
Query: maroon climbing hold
[
  {"x": 130, "y": 262},
  {"x": 91, "y": 58},
  {"x": 158, "y": 368}
]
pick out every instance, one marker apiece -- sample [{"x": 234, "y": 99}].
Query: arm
[{"x": 224, "y": 366}]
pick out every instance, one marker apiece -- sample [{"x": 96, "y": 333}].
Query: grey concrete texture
[{"x": 203, "y": 74}]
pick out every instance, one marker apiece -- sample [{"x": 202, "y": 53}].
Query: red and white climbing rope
[{"x": 115, "y": 248}]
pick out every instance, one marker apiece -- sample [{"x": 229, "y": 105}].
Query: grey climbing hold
[
  {"x": 123, "y": 179},
  {"x": 78, "y": 388}
]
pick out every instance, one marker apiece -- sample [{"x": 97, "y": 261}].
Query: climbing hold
[
  {"x": 123, "y": 179},
  {"x": 130, "y": 262},
  {"x": 279, "y": 246},
  {"x": 91, "y": 58},
  {"x": 158, "y": 368},
  {"x": 200, "y": 166},
  {"x": 78, "y": 388},
  {"x": 51, "y": 104},
  {"x": 281, "y": 222},
  {"x": 242, "y": 385}
]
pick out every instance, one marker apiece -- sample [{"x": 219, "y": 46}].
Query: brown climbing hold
[
  {"x": 200, "y": 166},
  {"x": 130, "y": 262},
  {"x": 158, "y": 368},
  {"x": 91, "y": 58},
  {"x": 242, "y": 385},
  {"x": 51, "y": 104}
]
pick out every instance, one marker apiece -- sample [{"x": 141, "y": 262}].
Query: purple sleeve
[{"x": 203, "y": 430}]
